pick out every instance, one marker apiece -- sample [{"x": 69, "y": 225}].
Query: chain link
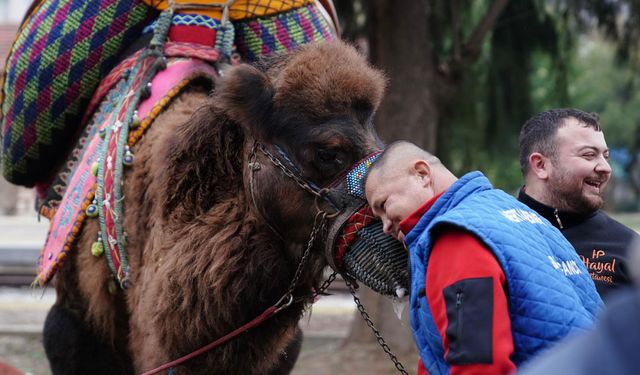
[
  {"x": 379, "y": 337},
  {"x": 302, "y": 183},
  {"x": 317, "y": 227},
  {"x": 325, "y": 284}
]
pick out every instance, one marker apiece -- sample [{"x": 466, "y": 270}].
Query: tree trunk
[
  {"x": 402, "y": 47},
  {"x": 401, "y": 44}
]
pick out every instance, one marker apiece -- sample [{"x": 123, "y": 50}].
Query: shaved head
[
  {"x": 402, "y": 179},
  {"x": 399, "y": 153}
]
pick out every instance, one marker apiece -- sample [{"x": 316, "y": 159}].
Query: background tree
[{"x": 465, "y": 75}]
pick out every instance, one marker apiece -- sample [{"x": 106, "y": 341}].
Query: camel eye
[
  {"x": 329, "y": 161},
  {"x": 327, "y": 156}
]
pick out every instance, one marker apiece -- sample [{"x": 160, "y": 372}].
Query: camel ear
[{"x": 246, "y": 95}]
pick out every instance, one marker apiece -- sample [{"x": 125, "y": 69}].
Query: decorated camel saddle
[{"x": 205, "y": 144}]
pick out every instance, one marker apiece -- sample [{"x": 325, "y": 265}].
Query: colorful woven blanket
[
  {"x": 65, "y": 47},
  {"x": 62, "y": 51}
]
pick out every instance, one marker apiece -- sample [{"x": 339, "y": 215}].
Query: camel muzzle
[{"x": 356, "y": 245}]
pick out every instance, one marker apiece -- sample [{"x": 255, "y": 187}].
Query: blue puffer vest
[{"x": 550, "y": 293}]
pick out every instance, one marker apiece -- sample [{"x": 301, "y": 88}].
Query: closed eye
[
  {"x": 326, "y": 155},
  {"x": 379, "y": 206}
]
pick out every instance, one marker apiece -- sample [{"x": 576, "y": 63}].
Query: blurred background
[{"x": 463, "y": 76}]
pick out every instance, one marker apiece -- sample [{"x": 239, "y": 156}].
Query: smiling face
[
  {"x": 579, "y": 170},
  {"x": 394, "y": 195}
]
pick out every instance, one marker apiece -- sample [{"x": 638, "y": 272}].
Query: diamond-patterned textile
[
  {"x": 238, "y": 10},
  {"x": 283, "y": 32},
  {"x": 361, "y": 219},
  {"x": 63, "y": 50}
]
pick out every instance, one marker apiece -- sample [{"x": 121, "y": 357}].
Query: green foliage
[
  {"x": 602, "y": 85},
  {"x": 518, "y": 75},
  {"x": 542, "y": 54}
]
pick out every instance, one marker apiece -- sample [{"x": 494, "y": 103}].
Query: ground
[
  {"x": 26, "y": 354},
  {"x": 353, "y": 360},
  {"x": 22, "y": 312}
]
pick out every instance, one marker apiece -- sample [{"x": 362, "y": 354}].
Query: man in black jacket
[{"x": 564, "y": 161}]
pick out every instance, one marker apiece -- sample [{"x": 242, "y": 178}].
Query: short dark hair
[{"x": 538, "y": 133}]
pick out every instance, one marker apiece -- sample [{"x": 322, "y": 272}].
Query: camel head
[
  {"x": 292, "y": 128},
  {"x": 312, "y": 111}
]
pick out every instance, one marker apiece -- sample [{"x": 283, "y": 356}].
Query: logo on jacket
[
  {"x": 601, "y": 267},
  {"x": 568, "y": 267},
  {"x": 518, "y": 216}
]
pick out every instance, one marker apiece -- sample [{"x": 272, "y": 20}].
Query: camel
[
  {"x": 215, "y": 228},
  {"x": 229, "y": 201}
]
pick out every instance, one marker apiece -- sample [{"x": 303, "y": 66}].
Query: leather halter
[
  {"x": 292, "y": 171},
  {"x": 338, "y": 194}
]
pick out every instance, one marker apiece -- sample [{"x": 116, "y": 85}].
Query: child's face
[{"x": 395, "y": 195}]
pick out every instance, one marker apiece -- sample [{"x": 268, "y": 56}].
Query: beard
[{"x": 568, "y": 194}]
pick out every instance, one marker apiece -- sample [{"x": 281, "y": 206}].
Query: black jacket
[{"x": 601, "y": 242}]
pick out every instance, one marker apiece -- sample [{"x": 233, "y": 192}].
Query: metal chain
[
  {"x": 325, "y": 284},
  {"x": 379, "y": 337},
  {"x": 302, "y": 183},
  {"x": 317, "y": 226}
]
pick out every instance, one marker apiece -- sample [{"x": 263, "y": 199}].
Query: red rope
[{"x": 268, "y": 313}]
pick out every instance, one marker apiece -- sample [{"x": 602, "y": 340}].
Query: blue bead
[
  {"x": 355, "y": 177},
  {"x": 128, "y": 159},
  {"x": 92, "y": 210}
]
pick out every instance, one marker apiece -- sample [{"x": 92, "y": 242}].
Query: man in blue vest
[{"x": 493, "y": 283}]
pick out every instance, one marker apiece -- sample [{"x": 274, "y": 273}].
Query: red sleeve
[
  {"x": 421, "y": 369},
  {"x": 456, "y": 256}
]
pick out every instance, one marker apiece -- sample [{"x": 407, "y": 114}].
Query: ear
[
  {"x": 422, "y": 170},
  {"x": 246, "y": 95},
  {"x": 539, "y": 165}
]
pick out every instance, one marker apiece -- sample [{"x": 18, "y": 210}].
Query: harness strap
[
  {"x": 79, "y": 194},
  {"x": 255, "y": 166},
  {"x": 268, "y": 313}
]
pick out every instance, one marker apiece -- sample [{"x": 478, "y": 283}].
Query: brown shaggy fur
[{"x": 203, "y": 261}]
